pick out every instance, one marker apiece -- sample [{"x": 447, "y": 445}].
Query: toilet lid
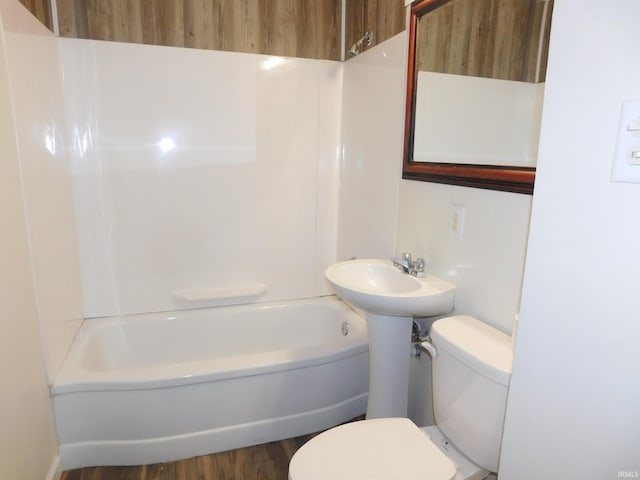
[{"x": 384, "y": 448}]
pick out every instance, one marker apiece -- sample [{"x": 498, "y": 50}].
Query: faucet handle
[
  {"x": 406, "y": 257},
  {"x": 418, "y": 268}
]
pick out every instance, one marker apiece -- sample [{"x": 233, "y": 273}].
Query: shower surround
[{"x": 198, "y": 171}]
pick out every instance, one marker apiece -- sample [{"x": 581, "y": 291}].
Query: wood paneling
[
  {"x": 485, "y": 38},
  {"x": 385, "y": 18},
  {"x": 41, "y": 9},
  {"x": 545, "y": 29},
  {"x": 297, "y": 28},
  {"x": 268, "y": 461}
]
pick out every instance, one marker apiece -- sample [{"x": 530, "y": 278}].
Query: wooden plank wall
[
  {"x": 41, "y": 9},
  {"x": 487, "y": 38},
  {"x": 298, "y": 28},
  {"x": 385, "y": 18}
]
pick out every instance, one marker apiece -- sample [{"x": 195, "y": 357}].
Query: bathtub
[{"x": 160, "y": 387}]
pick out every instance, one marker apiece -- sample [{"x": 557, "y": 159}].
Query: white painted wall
[
  {"x": 28, "y": 446},
  {"x": 35, "y": 74},
  {"x": 245, "y": 196},
  {"x": 574, "y": 400},
  {"x": 487, "y": 263}
]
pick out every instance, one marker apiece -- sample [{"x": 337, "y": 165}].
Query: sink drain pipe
[{"x": 420, "y": 344}]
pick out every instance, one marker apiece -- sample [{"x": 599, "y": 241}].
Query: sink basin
[{"x": 379, "y": 287}]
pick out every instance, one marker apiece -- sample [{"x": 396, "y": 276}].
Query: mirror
[{"x": 475, "y": 83}]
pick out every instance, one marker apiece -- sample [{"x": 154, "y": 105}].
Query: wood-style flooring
[{"x": 269, "y": 461}]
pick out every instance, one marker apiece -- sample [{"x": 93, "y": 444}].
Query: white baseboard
[{"x": 55, "y": 469}]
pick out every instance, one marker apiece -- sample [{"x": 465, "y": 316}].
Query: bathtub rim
[{"x": 72, "y": 378}]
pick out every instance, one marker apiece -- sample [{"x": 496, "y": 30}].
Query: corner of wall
[
  {"x": 28, "y": 433},
  {"x": 34, "y": 72}
]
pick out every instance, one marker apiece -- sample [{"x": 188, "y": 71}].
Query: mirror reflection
[{"x": 476, "y": 86}]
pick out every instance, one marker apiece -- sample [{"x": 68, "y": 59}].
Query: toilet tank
[{"x": 471, "y": 373}]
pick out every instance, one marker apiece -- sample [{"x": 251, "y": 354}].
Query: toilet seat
[{"x": 384, "y": 448}]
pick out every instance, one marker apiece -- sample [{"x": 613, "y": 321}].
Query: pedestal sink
[{"x": 390, "y": 299}]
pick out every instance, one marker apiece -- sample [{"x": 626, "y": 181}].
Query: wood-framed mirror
[{"x": 475, "y": 86}]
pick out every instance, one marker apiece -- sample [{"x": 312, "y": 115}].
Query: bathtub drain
[{"x": 345, "y": 328}]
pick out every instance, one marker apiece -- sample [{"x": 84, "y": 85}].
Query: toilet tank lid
[{"x": 480, "y": 346}]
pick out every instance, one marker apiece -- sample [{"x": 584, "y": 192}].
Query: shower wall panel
[
  {"x": 372, "y": 151},
  {"x": 200, "y": 170}
]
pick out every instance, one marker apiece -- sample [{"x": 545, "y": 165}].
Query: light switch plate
[{"x": 626, "y": 161}]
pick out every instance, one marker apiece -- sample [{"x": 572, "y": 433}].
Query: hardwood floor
[{"x": 269, "y": 461}]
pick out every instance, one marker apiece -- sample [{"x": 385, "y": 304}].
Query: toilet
[{"x": 471, "y": 370}]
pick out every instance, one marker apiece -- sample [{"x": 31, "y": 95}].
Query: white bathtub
[{"x": 160, "y": 387}]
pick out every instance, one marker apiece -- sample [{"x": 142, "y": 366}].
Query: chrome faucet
[{"x": 407, "y": 265}]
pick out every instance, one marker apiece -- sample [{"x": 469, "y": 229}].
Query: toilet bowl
[{"x": 471, "y": 365}]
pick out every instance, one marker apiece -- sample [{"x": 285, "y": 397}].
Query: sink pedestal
[
  {"x": 389, "y": 357},
  {"x": 391, "y": 299}
]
